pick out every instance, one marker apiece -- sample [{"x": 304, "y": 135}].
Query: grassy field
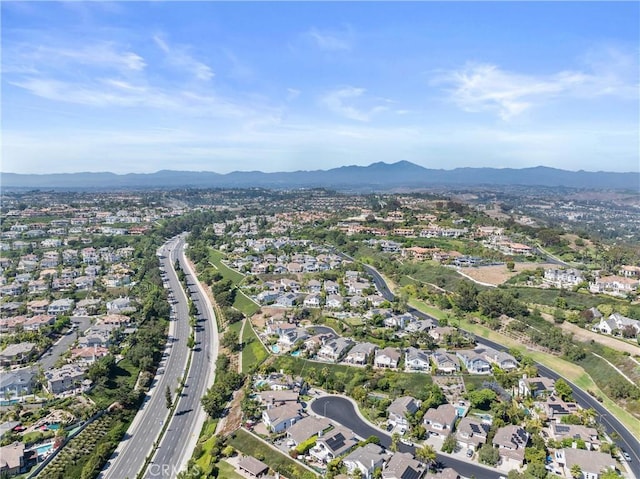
[
  {"x": 341, "y": 376},
  {"x": 227, "y": 471},
  {"x": 242, "y": 302},
  {"x": 208, "y": 431},
  {"x": 232, "y": 275},
  {"x": 250, "y": 445},
  {"x": 253, "y": 353}
]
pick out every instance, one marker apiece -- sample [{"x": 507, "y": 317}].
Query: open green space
[
  {"x": 227, "y": 471},
  {"x": 122, "y": 378},
  {"x": 340, "y": 377},
  {"x": 253, "y": 352},
  {"x": 250, "y": 445},
  {"x": 215, "y": 257},
  {"x": 241, "y": 302}
]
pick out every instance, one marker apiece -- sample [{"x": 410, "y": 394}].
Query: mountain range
[{"x": 375, "y": 177}]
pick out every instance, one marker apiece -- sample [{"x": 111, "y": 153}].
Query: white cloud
[
  {"x": 180, "y": 58},
  {"x": 292, "y": 94},
  {"x": 332, "y": 40},
  {"x": 341, "y": 101},
  {"x": 37, "y": 56},
  {"x": 486, "y": 87}
]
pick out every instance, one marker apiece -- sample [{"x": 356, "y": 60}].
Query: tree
[
  {"x": 576, "y": 471},
  {"x": 466, "y": 296},
  {"x": 511, "y": 265},
  {"x": 230, "y": 340},
  {"x": 482, "y": 398},
  {"x": 450, "y": 444},
  {"x": 426, "y": 454},
  {"x": 395, "y": 439},
  {"x": 488, "y": 454},
  {"x": 563, "y": 390},
  {"x": 167, "y": 397}
]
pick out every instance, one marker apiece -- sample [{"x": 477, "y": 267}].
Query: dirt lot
[{"x": 499, "y": 274}]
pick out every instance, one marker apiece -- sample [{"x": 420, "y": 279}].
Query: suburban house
[
  {"x": 471, "y": 433},
  {"x": 16, "y": 384},
  {"x": 69, "y": 376},
  {"x": 474, "y": 361},
  {"x": 307, "y": 427},
  {"x": 365, "y": 459},
  {"x": 440, "y": 420},
  {"x": 334, "y": 301},
  {"x": 591, "y": 463},
  {"x": 563, "y": 278},
  {"x": 280, "y": 418},
  {"x": 575, "y": 432},
  {"x": 18, "y": 353},
  {"x": 12, "y": 459},
  {"x": 387, "y": 358},
  {"x": 403, "y": 465},
  {"x": 287, "y": 300},
  {"x": 60, "y": 306},
  {"x": 502, "y": 359},
  {"x": 312, "y": 301},
  {"x": 334, "y": 349},
  {"x": 334, "y": 443},
  {"x": 614, "y": 285},
  {"x": 445, "y": 363},
  {"x": 416, "y": 360},
  {"x": 616, "y": 323},
  {"x": 555, "y": 408},
  {"x": 511, "y": 442},
  {"x": 277, "y": 397},
  {"x": 252, "y": 467},
  {"x": 400, "y": 408},
  {"x": 538, "y": 386},
  {"x": 360, "y": 353}
]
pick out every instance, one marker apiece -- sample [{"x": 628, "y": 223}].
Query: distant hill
[{"x": 376, "y": 177}]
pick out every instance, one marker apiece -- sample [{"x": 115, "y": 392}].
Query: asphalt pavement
[
  {"x": 128, "y": 459},
  {"x": 342, "y": 411},
  {"x": 181, "y": 436},
  {"x": 48, "y": 359}
]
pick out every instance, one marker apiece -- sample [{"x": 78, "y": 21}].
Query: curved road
[
  {"x": 625, "y": 440},
  {"x": 342, "y": 411},
  {"x": 181, "y": 436}
]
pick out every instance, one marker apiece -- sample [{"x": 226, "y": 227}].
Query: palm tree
[
  {"x": 576, "y": 471},
  {"x": 426, "y": 454}
]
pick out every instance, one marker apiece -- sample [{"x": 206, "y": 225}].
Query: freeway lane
[
  {"x": 342, "y": 411},
  {"x": 128, "y": 459},
  {"x": 180, "y": 438},
  {"x": 624, "y": 439}
]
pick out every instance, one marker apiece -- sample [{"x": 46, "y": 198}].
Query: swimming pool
[
  {"x": 275, "y": 348},
  {"x": 295, "y": 354},
  {"x": 42, "y": 450}
]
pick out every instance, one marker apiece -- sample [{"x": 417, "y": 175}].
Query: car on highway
[{"x": 626, "y": 456}]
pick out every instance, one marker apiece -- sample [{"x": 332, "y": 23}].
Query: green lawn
[
  {"x": 234, "y": 276},
  {"x": 245, "y": 304},
  {"x": 253, "y": 353},
  {"x": 227, "y": 471},
  {"x": 250, "y": 445}
]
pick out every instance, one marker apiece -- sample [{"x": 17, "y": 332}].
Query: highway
[
  {"x": 624, "y": 439},
  {"x": 183, "y": 431},
  {"x": 137, "y": 443},
  {"x": 342, "y": 411}
]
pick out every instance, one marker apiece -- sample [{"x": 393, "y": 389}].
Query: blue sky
[{"x": 281, "y": 86}]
